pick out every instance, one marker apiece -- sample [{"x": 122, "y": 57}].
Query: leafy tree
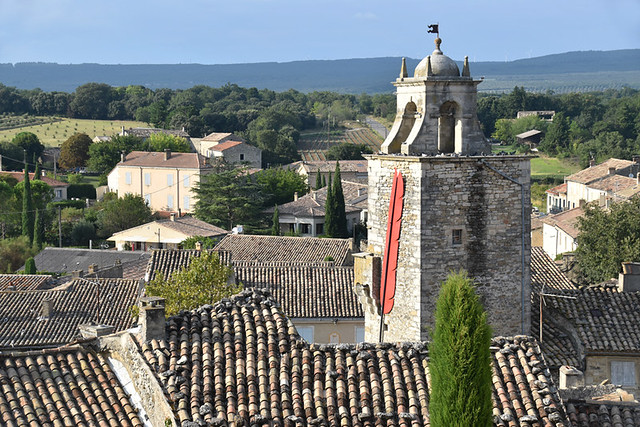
[
  {"x": 162, "y": 141},
  {"x": 607, "y": 239},
  {"x": 74, "y": 152},
  {"x": 335, "y": 215},
  {"x": 14, "y": 252},
  {"x": 347, "y": 151},
  {"x": 41, "y": 193},
  {"x": 9, "y": 220},
  {"x": 228, "y": 197},
  {"x": 205, "y": 281},
  {"x": 27, "y": 208},
  {"x": 30, "y": 143},
  {"x": 30, "y": 266},
  {"x": 82, "y": 232},
  {"x": 105, "y": 155},
  {"x": 121, "y": 214},
  {"x": 278, "y": 185},
  {"x": 275, "y": 227},
  {"x": 91, "y": 101},
  {"x": 557, "y": 138},
  {"x": 460, "y": 359},
  {"x": 206, "y": 242}
]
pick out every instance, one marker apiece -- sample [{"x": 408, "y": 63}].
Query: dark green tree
[
  {"x": 318, "y": 180},
  {"x": 608, "y": 237},
  {"x": 228, "y": 197},
  {"x": 74, "y": 152},
  {"x": 38, "y": 172},
  {"x": 460, "y": 359},
  {"x": 118, "y": 214},
  {"x": 30, "y": 143},
  {"x": 82, "y": 232},
  {"x": 557, "y": 138},
  {"x": 105, "y": 155},
  {"x": 278, "y": 185},
  {"x": 30, "y": 266},
  {"x": 91, "y": 101},
  {"x": 162, "y": 141},
  {"x": 275, "y": 227},
  {"x": 335, "y": 215},
  {"x": 27, "y": 207},
  {"x": 38, "y": 229},
  {"x": 205, "y": 242},
  {"x": 347, "y": 151}
]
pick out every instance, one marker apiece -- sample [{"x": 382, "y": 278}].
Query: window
[
  {"x": 185, "y": 181},
  {"x": 359, "y": 333},
  {"x": 319, "y": 229},
  {"x": 241, "y": 156},
  {"x": 456, "y": 236},
  {"x": 58, "y": 194},
  {"x": 127, "y": 178},
  {"x": 306, "y": 332},
  {"x": 169, "y": 180},
  {"x": 623, "y": 373},
  {"x": 185, "y": 203},
  {"x": 305, "y": 228},
  {"x": 170, "y": 201},
  {"x": 147, "y": 199},
  {"x": 147, "y": 178}
]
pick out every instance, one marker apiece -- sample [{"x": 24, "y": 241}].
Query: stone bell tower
[{"x": 463, "y": 208}]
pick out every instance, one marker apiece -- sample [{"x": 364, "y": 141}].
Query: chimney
[
  {"x": 172, "y": 216},
  {"x": 123, "y": 156},
  {"x": 592, "y": 163},
  {"x": 152, "y": 320},
  {"x": 167, "y": 154},
  {"x": 77, "y": 274},
  {"x": 635, "y": 158},
  {"x": 122, "y": 132},
  {"x": 570, "y": 377},
  {"x": 199, "y": 246},
  {"x": 629, "y": 278},
  {"x": 46, "y": 308},
  {"x": 360, "y": 191},
  {"x": 314, "y": 194},
  {"x": 92, "y": 269},
  {"x": 612, "y": 171},
  {"x": 295, "y": 196},
  {"x": 89, "y": 330}
]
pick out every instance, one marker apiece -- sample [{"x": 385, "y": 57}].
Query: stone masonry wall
[{"x": 443, "y": 194}]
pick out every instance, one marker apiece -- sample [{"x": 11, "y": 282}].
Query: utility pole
[{"x": 59, "y": 226}]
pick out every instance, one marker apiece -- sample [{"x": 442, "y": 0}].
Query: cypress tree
[
  {"x": 324, "y": 182},
  {"x": 27, "y": 207},
  {"x": 275, "y": 227},
  {"x": 30, "y": 266},
  {"x": 318, "y": 180},
  {"x": 339, "y": 206},
  {"x": 460, "y": 359},
  {"x": 38, "y": 172},
  {"x": 38, "y": 229},
  {"x": 329, "y": 213}
]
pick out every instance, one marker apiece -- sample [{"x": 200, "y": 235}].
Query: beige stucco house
[
  {"x": 230, "y": 147},
  {"x": 165, "y": 180},
  {"x": 164, "y": 233}
]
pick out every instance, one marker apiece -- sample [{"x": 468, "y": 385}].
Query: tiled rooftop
[
  {"x": 558, "y": 189},
  {"x": 583, "y": 414},
  {"x": 49, "y": 181},
  {"x": 65, "y": 260},
  {"x": 193, "y": 226},
  {"x": 313, "y": 204},
  {"x": 225, "y": 145},
  {"x": 326, "y": 166},
  {"x": 70, "y": 387},
  {"x": 244, "y": 247},
  {"x": 25, "y": 282},
  {"x": 24, "y": 324},
  {"x": 156, "y": 159},
  {"x": 567, "y": 221},
  {"x": 593, "y": 173},
  {"x": 545, "y": 272},
  {"x": 242, "y": 362}
]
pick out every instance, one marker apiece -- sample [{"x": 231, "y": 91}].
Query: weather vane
[{"x": 433, "y": 28}]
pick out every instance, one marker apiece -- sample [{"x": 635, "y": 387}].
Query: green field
[
  {"x": 551, "y": 166},
  {"x": 54, "y": 131}
]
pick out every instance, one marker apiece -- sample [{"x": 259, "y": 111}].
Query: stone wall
[
  {"x": 598, "y": 369},
  {"x": 443, "y": 194}
]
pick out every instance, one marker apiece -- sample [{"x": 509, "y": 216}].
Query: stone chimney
[
  {"x": 92, "y": 269},
  {"x": 199, "y": 246},
  {"x": 122, "y": 132},
  {"x": 77, "y": 274},
  {"x": 46, "y": 308},
  {"x": 172, "y": 216},
  {"x": 629, "y": 279},
  {"x": 295, "y": 196},
  {"x": 592, "y": 163},
  {"x": 89, "y": 330},
  {"x": 612, "y": 171},
  {"x": 123, "y": 156},
  {"x": 167, "y": 154},
  {"x": 570, "y": 377},
  {"x": 360, "y": 191},
  {"x": 152, "y": 320}
]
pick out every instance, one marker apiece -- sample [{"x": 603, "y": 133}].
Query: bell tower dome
[{"x": 436, "y": 110}]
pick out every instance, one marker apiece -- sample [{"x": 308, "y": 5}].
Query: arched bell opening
[{"x": 449, "y": 128}]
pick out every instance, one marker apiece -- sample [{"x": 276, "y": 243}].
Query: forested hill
[{"x": 566, "y": 72}]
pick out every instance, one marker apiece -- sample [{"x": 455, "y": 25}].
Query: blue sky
[{"x": 240, "y": 31}]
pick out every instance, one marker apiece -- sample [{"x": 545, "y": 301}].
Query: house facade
[
  {"x": 230, "y": 147},
  {"x": 560, "y": 232},
  {"x": 59, "y": 188},
  {"x": 165, "y": 180}
]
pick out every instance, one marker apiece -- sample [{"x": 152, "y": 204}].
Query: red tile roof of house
[
  {"x": 25, "y": 282},
  {"x": 558, "y": 189},
  {"x": 225, "y": 145},
  {"x": 242, "y": 362},
  {"x": 567, "y": 221},
  {"x": 49, "y": 181},
  {"x": 593, "y": 173},
  {"x": 156, "y": 159}
]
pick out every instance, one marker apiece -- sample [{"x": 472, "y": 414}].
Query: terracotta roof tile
[
  {"x": 313, "y": 204},
  {"x": 545, "y": 272},
  {"x": 225, "y": 145},
  {"x": 49, "y": 181},
  {"x": 22, "y": 323},
  {"x": 558, "y": 189},
  {"x": 193, "y": 226},
  {"x": 567, "y": 221},
  {"x": 593, "y": 173},
  {"x": 25, "y": 282},
  {"x": 291, "y": 249},
  {"x": 593, "y": 414},
  {"x": 156, "y": 159},
  {"x": 62, "y": 388},
  {"x": 242, "y": 362}
]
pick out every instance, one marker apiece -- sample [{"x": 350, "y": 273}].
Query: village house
[
  {"x": 531, "y": 138},
  {"x": 165, "y": 180},
  {"x": 305, "y": 215},
  {"x": 560, "y": 232},
  {"x": 164, "y": 233},
  {"x": 230, "y": 148},
  {"x": 350, "y": 170},
  {"x": 59, "y": 188}
]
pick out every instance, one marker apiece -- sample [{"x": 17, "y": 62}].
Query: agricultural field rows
[
  {"x": 53, "y": 132},
  {"x": 312, "y": 145}
]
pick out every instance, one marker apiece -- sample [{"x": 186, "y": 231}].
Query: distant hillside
[{"x": 572, "y": 71}]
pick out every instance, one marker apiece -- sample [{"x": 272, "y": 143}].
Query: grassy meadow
[{"x": 54, "y": 131}]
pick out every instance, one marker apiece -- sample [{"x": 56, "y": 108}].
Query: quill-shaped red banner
[{"x": 392, "y": 243}]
